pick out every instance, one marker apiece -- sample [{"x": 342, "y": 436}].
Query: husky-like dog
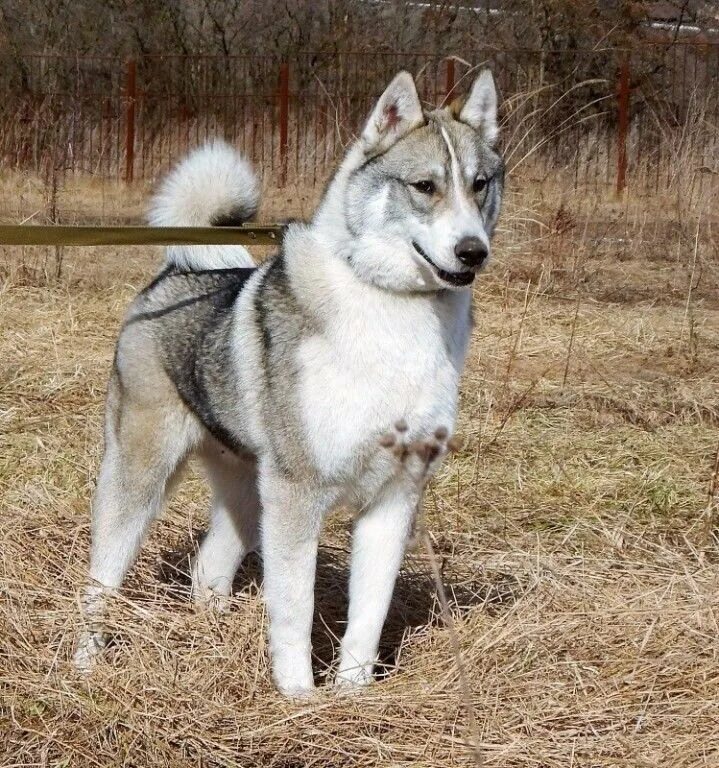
[{"x": 284, "y": 378}]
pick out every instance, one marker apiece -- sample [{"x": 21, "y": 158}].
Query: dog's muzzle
[{"x": 458, "y": 279}]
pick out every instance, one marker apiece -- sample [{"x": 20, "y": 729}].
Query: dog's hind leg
[
  {"x": 145, "y": 447},
  {"x": 234, "y": 526}
]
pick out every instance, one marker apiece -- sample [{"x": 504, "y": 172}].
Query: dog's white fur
[
  {"x": 214, "y": 181},
  {"x": 386, "y": 345}
]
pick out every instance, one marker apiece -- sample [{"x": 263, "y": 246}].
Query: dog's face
[{"x": 422, "y": 202}]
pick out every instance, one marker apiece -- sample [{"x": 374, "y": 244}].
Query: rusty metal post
[
  {"x": 622, "y": 124},
  {"x": 130, "y": 101},
  {"x": 283, "y": 96},
  {"x": 449, "y": 81}
]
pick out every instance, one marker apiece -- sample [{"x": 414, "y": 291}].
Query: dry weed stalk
[
  {"x": 571, "y": 343},
  {"x": 711, "y": 512}
]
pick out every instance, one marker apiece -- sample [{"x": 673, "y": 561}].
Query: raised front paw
[{"x": 420, "y": 458}]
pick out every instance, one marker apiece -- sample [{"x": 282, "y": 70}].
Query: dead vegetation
[{"x": 576, "y": 531}]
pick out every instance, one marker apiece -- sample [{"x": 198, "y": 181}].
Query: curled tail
[{"x": 213, "y": 186}]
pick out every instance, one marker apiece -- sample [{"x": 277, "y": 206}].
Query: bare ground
[{"x": 577, "y": 532}]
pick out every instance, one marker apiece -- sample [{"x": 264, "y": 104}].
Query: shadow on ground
[{"x": 415, "y": 603}]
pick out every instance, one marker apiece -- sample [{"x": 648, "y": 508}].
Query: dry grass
[{"x": 576, "y": 532}]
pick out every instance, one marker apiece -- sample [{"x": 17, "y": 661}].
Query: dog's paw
[
  {"x": 294, "y": 686},
  {"x": 211, "y": 600},
  {"x": 354, "y": 678},
  {"x": 292, "y": 671},
  {"x": 297, "y": 692},
  {"x": 420, "y": 458},
  {"x": 89, "y": 647},
  {"x": 209, "y": 591}
]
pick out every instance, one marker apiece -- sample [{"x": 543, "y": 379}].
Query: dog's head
[{"x": 422, "y": 190}]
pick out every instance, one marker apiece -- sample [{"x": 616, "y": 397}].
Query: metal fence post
[
  {"x": 449, "y": 81},
  {"x": 130, "y": 100},
  {"x": 622, "y": 124},
  {"x": 283, "y": 95}
]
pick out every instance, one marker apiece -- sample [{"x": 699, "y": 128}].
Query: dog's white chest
[{"x": 375, "y": 367}]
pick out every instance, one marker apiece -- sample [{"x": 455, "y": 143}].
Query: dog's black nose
[{"x": 471, "y": 251}]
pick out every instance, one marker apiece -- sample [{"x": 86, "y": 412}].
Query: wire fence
[{"x": 604, "y": 119}]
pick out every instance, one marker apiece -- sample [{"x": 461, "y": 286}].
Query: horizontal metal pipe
[{"x": 87, "y": 235}]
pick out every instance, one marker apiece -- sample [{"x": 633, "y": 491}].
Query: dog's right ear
[
  {"x": 479, "y": 109},
  {"x": 397, "y": 112}
]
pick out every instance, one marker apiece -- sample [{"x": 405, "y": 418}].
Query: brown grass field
[{"x": 576, "y": 531}]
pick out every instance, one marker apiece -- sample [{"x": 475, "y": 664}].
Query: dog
[{"x": 285, "y": 379}]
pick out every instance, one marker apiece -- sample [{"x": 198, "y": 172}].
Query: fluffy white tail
[{"x": 213, "y": 186}]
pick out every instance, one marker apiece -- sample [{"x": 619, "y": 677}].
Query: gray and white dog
[{"x": 284, "y": 378}]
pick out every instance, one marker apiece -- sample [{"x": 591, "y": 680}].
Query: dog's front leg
[
  {"x": 378, "y": 545},
  {"x": 292, "y": 514}
]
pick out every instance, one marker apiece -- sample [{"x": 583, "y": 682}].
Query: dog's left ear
[
  {"x": 480, "y": 107},
  {"x": 397, "y": 112}
]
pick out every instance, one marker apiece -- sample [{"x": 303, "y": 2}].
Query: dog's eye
[
  {"x": 425, "y": 186},
  {"x": 479, "y": 184}
]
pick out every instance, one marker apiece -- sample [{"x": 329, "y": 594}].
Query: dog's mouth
[{"x": 453, "y": 278}]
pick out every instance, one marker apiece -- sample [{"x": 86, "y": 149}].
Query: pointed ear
[
  {"x": 397, "y": 112},
  {"x": 480, "y": 108}
]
